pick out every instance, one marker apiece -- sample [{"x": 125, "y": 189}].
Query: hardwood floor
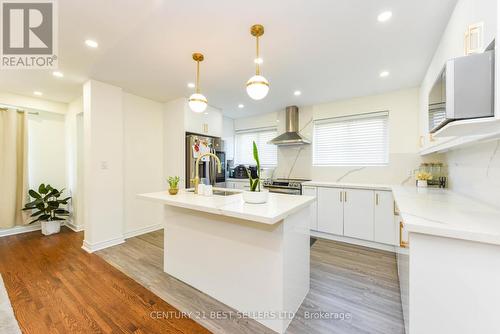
[
  {"x": 356, "y": 287},
  {"x": 56, "y": 287}
]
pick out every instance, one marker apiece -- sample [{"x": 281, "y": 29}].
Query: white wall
[
  {"x": 228, "y": 137},
  {"x": 103, "y": 165},
  {"x": 174, "y": 139},
  {"x": 74, "y": 160},
  {"x": 403, "y": 138},
  {"x": 474, "y": 170},
  {"x": 35, "y": 103},
  {"x": 451, "y": 45},
  {"x": 46, "y": 150},
  {"x": 142, "y": 162}
]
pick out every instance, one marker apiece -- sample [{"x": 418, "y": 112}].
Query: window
[
  {"x": 268, "y": 153},
  {"x": 360, "y": 140}
]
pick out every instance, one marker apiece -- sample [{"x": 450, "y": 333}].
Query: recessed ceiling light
[
  {"x": 241, "y": 106},
  {"x": 384, "y": 74},
  {"x": 206, "y": 113},
  {"x": 191, "y": 85},
  {"x": 92, "y": 44},
  {"x": 258, "y": 60},
  {"x": 58, "y": 74},
  {"x": 37, "y": 93},
  {"x": 384, "y": 16},
  {"x": 297, "y": 93}
]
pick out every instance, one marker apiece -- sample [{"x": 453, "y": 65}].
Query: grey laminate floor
[{"x": 356, "y": 288}]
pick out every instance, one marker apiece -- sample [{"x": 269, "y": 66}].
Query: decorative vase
[
  {"x": 173, "y": 191},
  {"x": 422, "y": 183},
  {"x": 255, "y": 197},
  {"x": 51, "y": 227}
]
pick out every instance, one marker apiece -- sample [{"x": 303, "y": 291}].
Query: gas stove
[{"x": 284, "y": 186}]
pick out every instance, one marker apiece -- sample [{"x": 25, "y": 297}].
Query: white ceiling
[{"x": 328, "y": 49}]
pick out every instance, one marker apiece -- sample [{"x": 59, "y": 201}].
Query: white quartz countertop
[
  {"x": 278, "y": 206},
  {"x": 347, "y": 185},
  {"x": 442, "y": 212}
]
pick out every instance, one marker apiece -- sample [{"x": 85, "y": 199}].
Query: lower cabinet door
[
  {"x": 359, "y": 214},
  {"x": 312, "y": 191},
  {"x": 330, "y": 210},
  {"x": 386, "y": 231}
]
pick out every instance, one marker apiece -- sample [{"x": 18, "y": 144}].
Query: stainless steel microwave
[{"x": 463, "y": 90}]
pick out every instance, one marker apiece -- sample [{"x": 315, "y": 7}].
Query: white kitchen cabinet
[
  {"x": 312, "y": 191},
  {"x": 359, "y": 214},
  {"x": 385, "y": 228},
  {"x": 330, "y": 210},
  {"x": 207, "y": 123}
]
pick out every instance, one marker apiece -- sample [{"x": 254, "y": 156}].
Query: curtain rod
[{"x": 22, "y": 111}]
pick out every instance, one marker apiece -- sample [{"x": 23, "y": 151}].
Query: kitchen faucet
[{"x": 196, "y": 180}]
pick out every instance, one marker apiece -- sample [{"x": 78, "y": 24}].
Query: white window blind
[
  {"x": 359, "y": 140},
  {"x": 243, "y": 148}
]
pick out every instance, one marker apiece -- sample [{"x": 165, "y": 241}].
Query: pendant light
[
  {"x": 197, "y": 102},
  {"x": 257, "y": 86}
]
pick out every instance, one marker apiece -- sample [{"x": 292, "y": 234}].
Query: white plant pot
[
  {"x": 422, "y": 183},
  {"x": 255, "y": 197},
  {"x": 51, "y": 227}
]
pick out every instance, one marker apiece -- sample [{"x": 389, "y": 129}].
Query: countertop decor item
[
  {"x": 422, "y": 178},
  {"x": 255, "y": 195},
  {"x": 257, "y": 86},
  {"x": 46, "y": 208},
  {"x": 197, "y": 101},
  {"x": 173, "y": 182}
]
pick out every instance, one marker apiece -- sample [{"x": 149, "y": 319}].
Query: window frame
[
  {"x": 255, "y": 130},
  {"x": 377, "y": 114}
]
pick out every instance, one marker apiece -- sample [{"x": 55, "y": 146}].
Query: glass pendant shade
[
  {"x": 257, "y": 87},
  {"x": 197, "y": 102}
]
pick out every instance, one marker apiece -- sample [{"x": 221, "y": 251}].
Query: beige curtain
[{"x": 13, "y": 167}]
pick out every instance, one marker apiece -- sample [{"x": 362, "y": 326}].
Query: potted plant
[
  {"x": 255, "y": 195},
  {"x": 173, "y": 182},
  {"x": 422, "y": 178},
  {"x": 46, "y": 208}
]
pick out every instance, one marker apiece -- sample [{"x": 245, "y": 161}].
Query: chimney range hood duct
[{"x": 292, "y": 135}]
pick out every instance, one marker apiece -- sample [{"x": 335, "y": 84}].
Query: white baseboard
[
  {"x": 353, "y": 241},
  {"x": 75, "y": 228},
  {"x": 90, "y": 248},
  {"x": 19, "y": 230},
  {"x": 143, "y": 230}
]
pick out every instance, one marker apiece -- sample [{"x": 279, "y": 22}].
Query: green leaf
[
  {"x": 34, "y": 194},
  {"x": 61, "y": 211},
  {"x": 38, "y": 213},
  {"x": 64, "y": 201},
  {"x": 42, "y": 189},
  {"x": 57, "y": 218},
  {"x": 44, "y": 217}
]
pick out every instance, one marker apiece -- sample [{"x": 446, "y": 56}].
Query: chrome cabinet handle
[
  {"x": 340, "y": 196},
  {"x": 345, "y": 196},
  {"x": 376, "y": 199}
]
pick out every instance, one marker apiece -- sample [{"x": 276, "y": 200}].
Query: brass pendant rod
[
  {"x": 197, "y": 77},
  {"x": 257, "y": 70}
]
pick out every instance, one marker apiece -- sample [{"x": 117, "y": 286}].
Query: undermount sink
[{"x": 219, "y": 192}]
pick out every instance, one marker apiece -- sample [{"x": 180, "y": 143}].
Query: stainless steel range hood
[{"x": 292, "y": 135}]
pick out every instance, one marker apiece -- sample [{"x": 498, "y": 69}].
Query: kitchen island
[{"x": 252, "y": 257}]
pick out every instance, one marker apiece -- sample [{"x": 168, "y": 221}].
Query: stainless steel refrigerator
[{"x": 197, "y": 145}]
